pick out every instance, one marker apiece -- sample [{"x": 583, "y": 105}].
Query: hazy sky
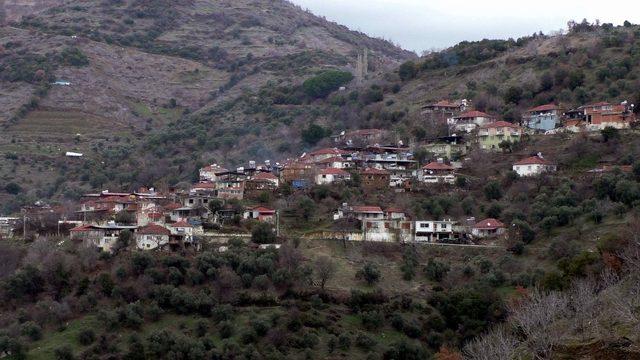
[{"x": 426, "y": 24}]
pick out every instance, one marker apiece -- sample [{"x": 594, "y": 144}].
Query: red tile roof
[
  {"x": 153, "y": 229},
  {"x": 437, "y": 166},
  {"x": 333, "y": 171},
  {"x": 82, "y": 228},
  {"x": 500, "y": 124},
  {"x": 264, "y": 176},
  {"x": 547, "y": 107},
  {"x": 172, "y": 206},
  {"x": 473, "y": 114},
  {"x": 489, "y": 224},
  {"x": 263, "y": 210},
  {"x": 115, "y": 199},
  {"x": 181, "y": 224},
  {"x": 367, "y": 209},
  {"x": 533, "y": 160},
  {"x": 374, "y": 171}
]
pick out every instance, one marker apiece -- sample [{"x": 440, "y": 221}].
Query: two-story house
[
  {"x": 434, "y": 231},
  {"x": 437, "y": 172},
  {"x": 152, "y": 236},
  {"x": 491, "y": 135},
  {"x": 543, "y": 117}
]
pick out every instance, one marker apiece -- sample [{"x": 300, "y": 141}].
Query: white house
[
  {"x": 152, "y": 237},
  {"x": 337, "y": 162},
  {"x": 182, "y": 230},
  {"x": 260, "y": 213},
  {"x": 534, "y": 165},
  {"x": 470, "y": 120},
  {"x": 488, "y": 228},
  {"x": 211, "y": 172},
  {"x": 331, "y": 175},
  {"x": 368, "y": 213},
  {"x": 434, "y": 231},
  {"x": 396, "y": 214},
  {"x": 437, "y": 172}
]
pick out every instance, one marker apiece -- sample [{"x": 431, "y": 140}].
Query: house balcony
[{"x": 483, "y": 133}]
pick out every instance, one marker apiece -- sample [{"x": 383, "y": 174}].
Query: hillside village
[
  {"x": 226, "y": 203},
  {"x": 243, "y": 179}
]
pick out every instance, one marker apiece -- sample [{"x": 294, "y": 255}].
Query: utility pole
[{"x": 278, "y": 223}]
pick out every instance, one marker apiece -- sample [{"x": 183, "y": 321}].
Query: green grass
[
  {"x": 44, "y": 348},
  {"x": 163, "y": 114}
]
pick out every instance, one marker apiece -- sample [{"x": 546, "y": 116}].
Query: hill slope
[{"x": 143, "y": 66}]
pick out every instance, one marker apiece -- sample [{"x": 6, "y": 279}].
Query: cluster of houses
[
  {"x": 372, "y": 223},
  {"x": 174, "y": 219},
  {"x": 549, "y": 118},
  {"x": 170, "y": 221}
]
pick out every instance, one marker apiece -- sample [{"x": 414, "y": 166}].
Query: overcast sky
[{"x": 427, "y": 24}]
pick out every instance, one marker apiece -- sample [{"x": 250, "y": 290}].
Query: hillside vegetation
[
  {"x": 157, "y": 89},
  {"x": 149, "y": 67}
]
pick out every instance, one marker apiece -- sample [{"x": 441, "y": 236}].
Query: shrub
[
  {"x": 32, "y": 330},
  {"x": 493, "y": 191},
  {"x": 73, "y": 56},
  {"x": 365, "y": 342},
  {"x": 226, "y": 330},
  {"x": 372, "y": 95},
  {"x": 372, "y": 320},
  {"x": 325, "y": 83},
  {"x": 63, "y": 353},
  {"x": 314, "y": 133},
  {"x": 13, "y": 188},
  {"x": 527, "y": 234},
  {"x": 513, "y": 95},
  {"x": 263, "y": 233},
  {"x": 408, "y": 71},
  {"x": 610, "y": 133},
  {"x": 140, "y": 261},
  {"x": 86, "y": 337},
  {"x": 369, "y": 273},
  {"x": 435, "y": 270},
  {"x": 344, "y": 341},
  {"x": 412, "y": 329},
  {"x": 406, "y": 350}
]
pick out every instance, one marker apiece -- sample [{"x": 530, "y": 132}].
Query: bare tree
[
  {"x": 535, "y": 319},
  {"x": 325, "y": 269},
  {"x": 499, "y": 343}
]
